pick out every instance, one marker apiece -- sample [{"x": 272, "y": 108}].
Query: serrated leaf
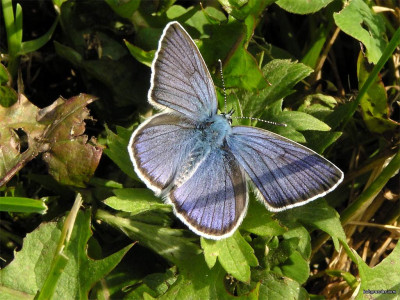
[
  {"x": 169, "y": 243},
  {"x": 72, "y": 160},
  {"x": 21, "y": 115},
  {"x": 358, "y": 20},
  {"x": 32, "y": 264},
  {"x": 302, "y": 121},
  {"x": 303, "y": 6},
  {"x": 135, "y": 201},
  {"x": 283, "y": 76},
  {"x": 377, "y": 279},
  {"x": 234, "y": 254}
]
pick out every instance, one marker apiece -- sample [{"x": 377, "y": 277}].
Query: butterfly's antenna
[
  {"x": 261, "y": 120},
  {"x": 223, "y": 84}
]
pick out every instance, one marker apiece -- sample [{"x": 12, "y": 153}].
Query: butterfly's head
[{"x": 228, "y": 115}]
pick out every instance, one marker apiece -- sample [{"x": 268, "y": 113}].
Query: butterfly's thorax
[
  {"x": 215, "y": 130},
  {"x": 211, "y": 135}
]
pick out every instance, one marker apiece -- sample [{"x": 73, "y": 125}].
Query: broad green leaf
[
  {"x": 116, "y": 150},
  {"x": 283, "y": 76},
  {"x": 135, "y": 201},
  {"x": 274, "y": 286},
  {"x": 242, "y": 71},
  {"x": 296, "y": 230},
  {"x": 318, "y": 214},
  {"x": 32, "y": 264},
  {"x": 374, "y": 104},
  {"x": 295, "y": 267},
  {"x": 21, "y": 204},
  {"x": 72, "y": 159},
  {"x": 234, "y": 254},
  {"x": 384, "y": 276},
  {"x": 303, "y": 6},
  {"x": 258, "y": 220},
  {"x": 359, "y": 21},
  {"x": 319, "y": 141}
]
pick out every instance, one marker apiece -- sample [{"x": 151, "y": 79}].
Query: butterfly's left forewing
[
  {"x": 180, "y": 79},
  {"x": 213, "y": 201},
  {"x": 286, "y": 174}
]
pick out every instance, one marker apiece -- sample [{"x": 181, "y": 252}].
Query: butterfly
[{"x": 192, "y": 157}]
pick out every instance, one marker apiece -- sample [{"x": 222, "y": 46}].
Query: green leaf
[
  {"x": 116, "y": 150},
  {"x": 259, "y": 221},
  {"x": 295, "y": 267},
  {"x": 319, "y": 141},
  {"x": 33, "y": 45},
  {"x": 8, "y": 96},
  {"x": 135, "y": 201},
  {"x": 359, "y": 21},
  {"x": 145, "y": 57},
  {"x": 234, "y": 254},
  {"x": 304, "y": 239},
  {"x": 377, "y": 279},
  {"x": 318, "y": 214},
  {"x": 277, "y": 287},
  {"x": 374, "y": 104},
  {"x": 4, "y": 75},
  {"x": 302, "y": 121},
  {"x": 21, "y": 204},
  {"x": 283, "y": 76},
  {"x": 124, "y": 9},
  {"x": 169, "y": 243},
  {"x": 303, "y": 6},
  {"x": 80, "y": 273}
]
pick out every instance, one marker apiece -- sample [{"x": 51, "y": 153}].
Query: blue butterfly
[{"x": 192, "y": 156}]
